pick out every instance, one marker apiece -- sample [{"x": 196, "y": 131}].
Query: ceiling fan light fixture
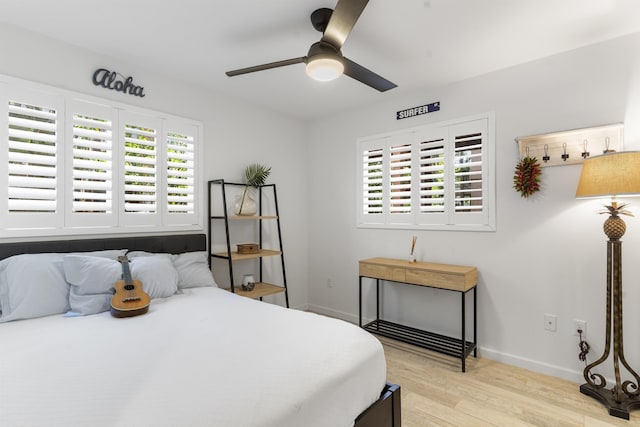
[
  {"x": 324, "y": 60},
  {"x": 325, "y": 69}
]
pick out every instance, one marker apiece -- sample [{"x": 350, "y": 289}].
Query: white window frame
[
  {"x": 411, "y": 217},
  {"x": 64, "y": 221}
]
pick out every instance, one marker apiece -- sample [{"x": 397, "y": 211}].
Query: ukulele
[{"x": 129, "y": 299}]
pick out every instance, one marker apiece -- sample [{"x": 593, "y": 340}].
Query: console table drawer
[
  {"x": 383, "y": 272},
  {"x": 444, "y": 276},
  {"x": 444, "y": 280}
]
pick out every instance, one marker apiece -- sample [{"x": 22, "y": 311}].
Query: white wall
[
  {"x": 548, "y": 253},
  {"x": 235, "y": 133}
]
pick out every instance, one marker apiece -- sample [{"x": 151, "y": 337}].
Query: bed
[{"x": 200, "y": 357}]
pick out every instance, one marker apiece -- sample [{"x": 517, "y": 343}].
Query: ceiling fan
[{"x": 324, "y": 59}]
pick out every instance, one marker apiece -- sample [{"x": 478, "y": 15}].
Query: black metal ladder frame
[{"x": 225, "y": 216}]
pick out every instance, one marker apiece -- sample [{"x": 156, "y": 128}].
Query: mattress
[{"x": 203, "y": 358}]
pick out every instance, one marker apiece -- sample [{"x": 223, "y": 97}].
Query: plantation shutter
[
  {"x": 399, "y": 180},
  {"x": 371, "y": 166},
  {"x": 139, "y": 143},
  {"x": 31, "y": 124},
  {"x": 180, "y": 168},
  {"x": 430, "y": 177},
  {"x": 468, "y": 141},
  {"x": 71, "y": 164},
  {"x": 91, "y": 176}
]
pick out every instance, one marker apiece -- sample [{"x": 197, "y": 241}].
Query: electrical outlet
[
  {"x": 550, "y": 322},
  {"x": 329, "y": 283},
  {"x": 581, "y": 325}
]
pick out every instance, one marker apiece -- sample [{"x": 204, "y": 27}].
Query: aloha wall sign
[{"x": 115, "y": 81}]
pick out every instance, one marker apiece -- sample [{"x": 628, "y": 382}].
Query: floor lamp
[{"x": 611, "y": 175}]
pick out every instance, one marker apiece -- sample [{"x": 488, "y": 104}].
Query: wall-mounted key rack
[{"x": 572, "y": 146}]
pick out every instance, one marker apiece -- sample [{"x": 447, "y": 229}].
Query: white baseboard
[
  {"x": 509, "y": 359},
  {"x": 303, "y": 307},
  {"x": 335, "y": 313},
  {"x": 532, "y": 365}
]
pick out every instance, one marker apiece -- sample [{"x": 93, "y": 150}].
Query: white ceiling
[{"x": 417, "y": 44}]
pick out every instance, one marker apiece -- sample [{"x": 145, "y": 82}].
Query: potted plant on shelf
[{"x": 255, "y": 176}]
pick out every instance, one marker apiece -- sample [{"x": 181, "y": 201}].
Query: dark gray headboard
[{"x": 173, "y": 244}]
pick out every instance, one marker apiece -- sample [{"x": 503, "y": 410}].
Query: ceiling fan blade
[
  {"x": 368, "y": 77},
  {"x": 342, "y": 20},
  {"x": 266, "y": 66}
]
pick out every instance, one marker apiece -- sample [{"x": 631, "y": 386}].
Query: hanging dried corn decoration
[{"x": 527, "y": 176}]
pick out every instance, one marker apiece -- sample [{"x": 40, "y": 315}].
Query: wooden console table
[{"x": 455, "y": 278}]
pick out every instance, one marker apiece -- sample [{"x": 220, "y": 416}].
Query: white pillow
[
  {"x": 34, "y": 285},
  {"x": 158, "y": 276},
  {"x": 92, "y": 280},
  {"x": 193, "y": 269}
]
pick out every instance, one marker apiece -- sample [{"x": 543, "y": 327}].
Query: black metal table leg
[
  {"x": 463, "y": 350},
  {"x": 360, "y": 303},
  {"x": 475, "y": 322},
  {"x": 377, "y": 300}
]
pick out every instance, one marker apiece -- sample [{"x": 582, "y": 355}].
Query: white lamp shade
[{"x": 325, "y": 69}]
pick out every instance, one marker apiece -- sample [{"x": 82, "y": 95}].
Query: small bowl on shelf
[
  {"x": 249, "y": 286},
  {"x": 248, "y": 282}
]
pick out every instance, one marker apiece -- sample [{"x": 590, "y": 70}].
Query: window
[
  {"x": 432, "y": 177},
  {"x": 91, "y": 166}
]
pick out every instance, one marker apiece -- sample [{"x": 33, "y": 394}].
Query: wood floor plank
[{"x": 436, "y": 393}]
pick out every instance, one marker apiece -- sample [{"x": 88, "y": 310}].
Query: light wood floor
[{"x": 436, "y": 393}]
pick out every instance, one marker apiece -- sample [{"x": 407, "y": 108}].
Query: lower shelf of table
[
  {"x": 260, "y": 290},
  {"x": 418, "y": 337}
]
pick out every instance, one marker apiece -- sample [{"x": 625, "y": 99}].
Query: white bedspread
[{"x": 205, "y": 358}]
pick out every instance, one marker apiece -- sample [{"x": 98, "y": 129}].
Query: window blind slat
[
  {"x": 148, "y": 159},
  {"x": 81, "y": 132},
  {"x": 180, "y": 199},
  {"x": 30, "y": 170},
  {"x": 91, "y": 195},
  {"x": 180, "y": 177},
  {"x": 31, "y": 206},
  {"x": 100, "y": 157},
  {"x": 48, "y": 126},
  {"x": 188, "y": 181},
  {"x": 87, "y": 122},
  {"x": 32, "y": 147},
  {"x": 40, "y": 112},
  {"x": 91, "y": 185},
  {"x": 32, "y": 159},
  {"x": 32, "y": 193}
]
